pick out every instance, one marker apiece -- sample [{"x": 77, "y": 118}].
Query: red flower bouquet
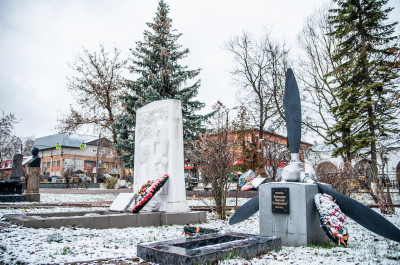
[{"x": 147, "y": 191}]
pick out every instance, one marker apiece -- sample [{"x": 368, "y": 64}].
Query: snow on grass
[
  {"x": 194, "y": 201},
  {"x": 366, "y": 199},
  {"x": 54, "y": 198},
  {"x": 72, "y": 244}
]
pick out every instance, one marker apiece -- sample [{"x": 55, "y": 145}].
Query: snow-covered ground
[{"x": 20, "y": 245}]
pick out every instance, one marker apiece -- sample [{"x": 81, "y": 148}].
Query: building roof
[
  {"x": 267, "y": 133},
  {"x": 7, "y": 163},
  {"x": 63, "y": 139}
]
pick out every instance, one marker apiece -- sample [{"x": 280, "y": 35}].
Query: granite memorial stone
[
  {"x": 159, "y": 151},
  {"x": 207, "y": 249},
  {"x": 16, "y": 170}
]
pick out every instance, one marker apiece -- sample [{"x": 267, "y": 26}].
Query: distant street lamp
[
  {"x": 227, "y": 115},
  {"x": 97, "y": 159}
]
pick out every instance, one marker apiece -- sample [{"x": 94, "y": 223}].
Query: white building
[{"x": 321, "y": 153}]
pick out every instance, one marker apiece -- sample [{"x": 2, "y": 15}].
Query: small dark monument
[
  {"x": 35, "y": 161},
  {"x": 11, "y": 189},
  {"x": 16, "y": 170},
  {"x": 33, "y": 181},
  {"x": 207, "y": 249}
]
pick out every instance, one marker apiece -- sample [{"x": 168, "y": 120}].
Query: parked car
[
  {"x": 80, "y": 178},
  {"x": 235, "y": 178},
  {"x": 190, "y": 181},
  {"x": 208, "y": 187},
  {"x": 100, "y": 178}
]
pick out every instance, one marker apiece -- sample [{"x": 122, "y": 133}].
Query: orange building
[
  {"x": 79, "y": 152},
  {"x": 252, "y": 136}
]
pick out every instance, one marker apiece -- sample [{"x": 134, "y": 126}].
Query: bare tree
[
  {"x": 259, "y": 71},
  {"x": 9, "y": 143},
  {"x": 215, "y": 153},
  {"x": 28, "y": 145},
  {"x": 68, "y": 175},
  {"x": 253, "y": 155},
  {"x": 340, "y": 177},
  {"x": 383, "y": 182},
  {"x": 368, "y": 181},
  {"x": 314, "y": 69},
  {"x": 97, "y": 86},
  {"x": 276, "y": 156}
]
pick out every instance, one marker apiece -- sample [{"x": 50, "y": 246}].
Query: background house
[
  {"x": 79, "y": 152},
  {"x": 275, "y": 152},
  {"x": 6, "y": 165},
  {"x": 320, "y": 155}
]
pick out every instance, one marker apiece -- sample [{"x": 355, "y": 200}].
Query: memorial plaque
[{"x": 280, "y": 200}]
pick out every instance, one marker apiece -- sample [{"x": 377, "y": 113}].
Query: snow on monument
[{"x": 159, "y": 151}]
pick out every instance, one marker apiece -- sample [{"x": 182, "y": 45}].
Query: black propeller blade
[
  {"x": 292, "y": 112},
  {"x": 245, "y": 211}
]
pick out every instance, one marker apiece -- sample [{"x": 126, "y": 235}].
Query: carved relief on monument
[
  {"x": 153, "y": 143},
  {"x": 159, "y": 151}
]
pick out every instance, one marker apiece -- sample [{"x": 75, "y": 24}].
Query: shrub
[{"x": 110, "y": 183}]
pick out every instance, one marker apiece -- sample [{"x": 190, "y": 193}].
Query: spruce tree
[
  {"x": 160, "y": 76},
  {"x": 368, "y": 74}
]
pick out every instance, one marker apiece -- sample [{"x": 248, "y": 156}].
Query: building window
[
  {"x": 44, "y": 164},
  {"x": 48, "y": 164},
  {"x": 53, "y": 164},
  {"x": 58, "y": 163}
]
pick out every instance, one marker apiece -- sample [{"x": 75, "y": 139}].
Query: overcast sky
[{"x": 39, "y": 38}]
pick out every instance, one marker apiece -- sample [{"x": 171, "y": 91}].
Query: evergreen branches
[{"x": 156, "y": 61}]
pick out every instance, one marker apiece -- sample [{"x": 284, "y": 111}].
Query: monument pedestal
[
  {"x": 287, "y": 210},
  {"x": 11, "y": 191},
  {"x": 32, "y": 185}
]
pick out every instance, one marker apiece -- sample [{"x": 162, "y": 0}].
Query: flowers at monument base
[
  {"x": 197, "y": 230},
  {"x": 331, "y": 218},
  {"x": 246, "y": 177},
  {"x": 147, "y": 191},
  {"x": 247, "y": 186}
]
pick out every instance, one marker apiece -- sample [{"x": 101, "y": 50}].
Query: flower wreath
[
  {"x": 331, "y": 218},
  {"x": 194, "y": 231},
  {"x": 147, "y": 191}
]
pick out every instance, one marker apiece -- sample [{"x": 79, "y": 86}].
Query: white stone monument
[{"x": 159, "y": 151}]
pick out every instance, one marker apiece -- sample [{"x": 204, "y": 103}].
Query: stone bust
[{"x": 35, "y": 161}]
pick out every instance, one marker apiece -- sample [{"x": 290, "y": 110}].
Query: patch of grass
[
  {"x": 56, "y": 237},
  {"x": 231, "y": 255},
  {"x": 325, "y": 245},
  {"x": 110, "y": 183},
  {"x": 66, "y": 251}
]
